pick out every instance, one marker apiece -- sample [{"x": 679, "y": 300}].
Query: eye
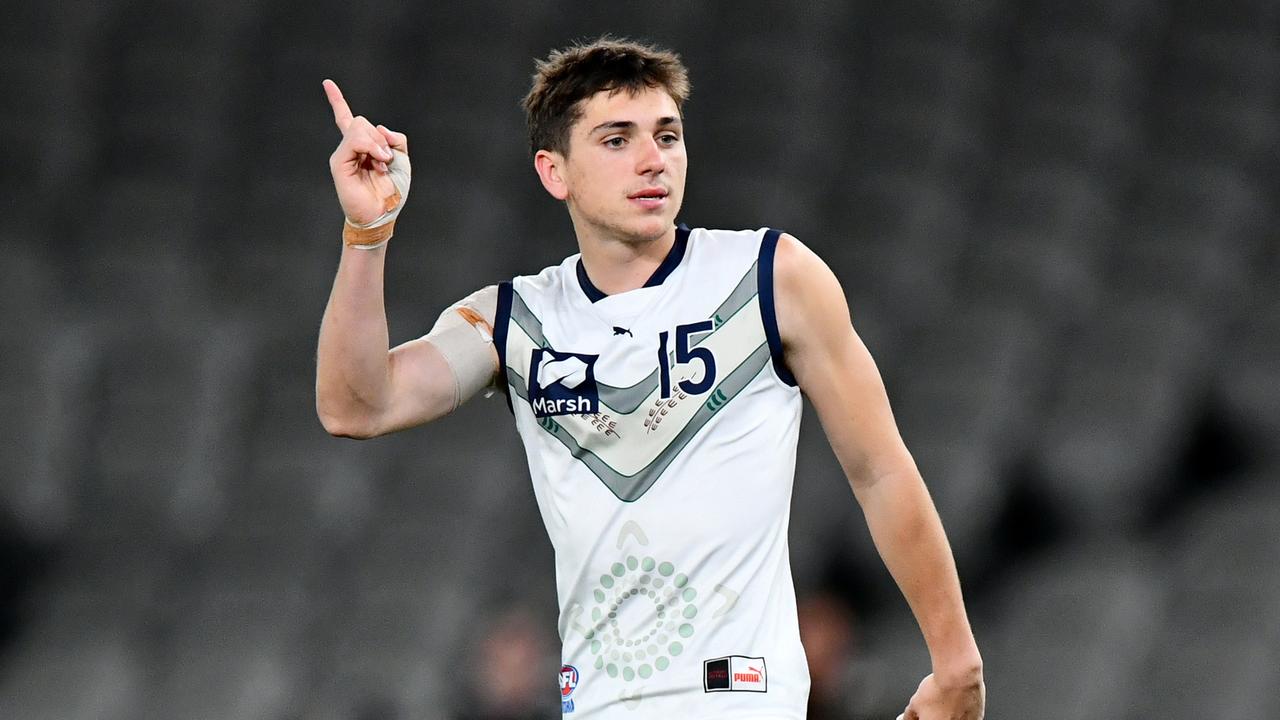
[
  {"x": 668, "y": 138},
  {"x": 616, "y": 141}
]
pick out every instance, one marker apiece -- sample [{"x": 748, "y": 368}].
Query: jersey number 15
[{"x": 685, "y": 354}]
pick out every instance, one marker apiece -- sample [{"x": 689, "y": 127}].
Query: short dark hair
[{"x": 570, "y": 75}]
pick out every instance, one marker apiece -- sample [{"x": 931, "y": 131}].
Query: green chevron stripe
[
  {"x": 624, "y": 400},
  {"x": 629, "y": 488}
]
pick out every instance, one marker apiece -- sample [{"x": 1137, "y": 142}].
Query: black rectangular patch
[{"x": 715, "y": 675}]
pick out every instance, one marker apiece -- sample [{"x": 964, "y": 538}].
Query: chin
[
  {"x": 657, "y": 225},
  {"x": 643, "y": 230},
  {"x": 654, "y": 227}
]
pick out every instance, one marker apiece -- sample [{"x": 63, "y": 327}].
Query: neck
[{"x": 617, "y": 265}]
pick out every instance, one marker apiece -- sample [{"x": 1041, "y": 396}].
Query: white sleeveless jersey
[{"x": 660, "y": 426}]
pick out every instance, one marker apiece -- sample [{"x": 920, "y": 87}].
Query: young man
[{"x": 655, "y": 380}]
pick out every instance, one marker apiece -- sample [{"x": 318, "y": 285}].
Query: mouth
[{"x": 649, "y": 198}]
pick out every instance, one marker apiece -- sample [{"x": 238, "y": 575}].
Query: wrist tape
[{"x": 375, "y": 234}]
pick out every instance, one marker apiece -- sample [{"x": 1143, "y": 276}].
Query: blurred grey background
[{"x": 1056, "y": 224}]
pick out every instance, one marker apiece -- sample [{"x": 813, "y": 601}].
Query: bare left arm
[{"x": 837, "y": 373}]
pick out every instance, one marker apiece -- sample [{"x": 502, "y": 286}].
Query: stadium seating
[{"x": 1055, "y": 224}]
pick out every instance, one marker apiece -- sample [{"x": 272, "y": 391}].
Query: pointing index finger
[{"x": 341, "y": 111}]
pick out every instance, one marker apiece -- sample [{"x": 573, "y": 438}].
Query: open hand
[{"x": 359, "y": 165}]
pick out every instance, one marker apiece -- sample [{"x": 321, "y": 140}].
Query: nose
[{"x": 651, "y": 161}]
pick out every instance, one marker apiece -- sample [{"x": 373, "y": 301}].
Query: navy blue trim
[
  {"x": 664, "y": 270},
  {"x": 673, "y": 258},
  {"x": 501, "y": 321},
  {"x": 593, "y": 293},
  {"x": 764, "y": 275}
]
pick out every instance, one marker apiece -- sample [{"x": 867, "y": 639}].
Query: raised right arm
[{"x": 363, "y": 387}]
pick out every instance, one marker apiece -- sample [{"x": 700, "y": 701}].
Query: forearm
[
  {"x": 352, "y": 370},
  {"x": 909, "y": 536}
]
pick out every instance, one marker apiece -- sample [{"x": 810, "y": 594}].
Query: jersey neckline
[{"x": 668, "y": 266}]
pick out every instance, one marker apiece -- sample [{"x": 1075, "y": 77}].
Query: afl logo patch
[
  {"x": 562, "y": 383},
  {"x": 568, "y": 681}
]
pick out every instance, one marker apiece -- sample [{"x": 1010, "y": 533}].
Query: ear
[{"x": 550, "y": 167}]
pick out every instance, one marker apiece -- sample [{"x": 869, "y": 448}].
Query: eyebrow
[{"x": 667, "y": 121}]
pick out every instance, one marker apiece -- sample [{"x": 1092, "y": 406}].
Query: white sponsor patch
[
  {"x": 747, "y": 673},
  {"x": 569, "y": 372}
]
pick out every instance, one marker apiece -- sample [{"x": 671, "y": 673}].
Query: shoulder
[
  {"x": 800, "y": 277},
  {"x": 548, "y": 279},
  {"x": 809, "y": 298},
  {"x": 719, "y": 244},
  {"x": 721, "y": 235},
  {"x": 794, "y": 264},
  {"x": 715, "y": 256},
  {"x": 722, "y": 243},
  {"x": 745, "y": 240}
]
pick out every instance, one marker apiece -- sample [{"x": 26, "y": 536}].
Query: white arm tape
[
  {"x": 400, "y": 172},
  {"x": 464, "y": 336}
]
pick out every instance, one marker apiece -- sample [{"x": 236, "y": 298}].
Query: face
[{"x": 624, "y": 175}]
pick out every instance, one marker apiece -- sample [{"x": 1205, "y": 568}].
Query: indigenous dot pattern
[{"x": 649, "y": 650}]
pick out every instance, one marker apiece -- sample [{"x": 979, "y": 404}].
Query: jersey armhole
[
  {"x": 764, "y": 276},
  {"x": 501, "y": 320}
]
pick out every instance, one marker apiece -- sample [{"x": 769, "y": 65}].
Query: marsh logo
[{"x": 562, "y": 383}]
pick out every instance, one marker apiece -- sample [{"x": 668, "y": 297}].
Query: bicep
[
  {"x": 433, "y": 375},
  {"x": 422, "y": 385},
  {"x": 834, "y": 368}
]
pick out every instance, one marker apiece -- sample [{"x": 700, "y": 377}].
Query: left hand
[{"x": 935, "y": 700}]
